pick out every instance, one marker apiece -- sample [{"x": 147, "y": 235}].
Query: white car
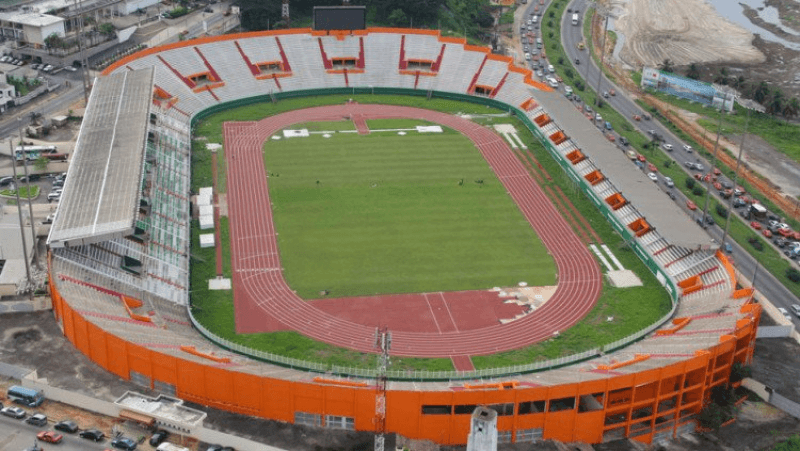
[
  {"x": 70, "y": 68},
  {"x": 552, "y": 82},
  {"x": 48, "y": 68},
  {"x": 668, "y": 181},
  {"x": 796, "y": 309},
  {"x": 597, "y": 117},
  {"x": 687, "y": 148},
  {"x": 667, "y": 147},
  {"x": 785, "y": 314},
  {"x": 652, "y": 176},
  {"x": 55, "y": 195}
]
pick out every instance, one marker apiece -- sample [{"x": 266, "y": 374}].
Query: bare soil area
[{"x": 685, "y": 31}]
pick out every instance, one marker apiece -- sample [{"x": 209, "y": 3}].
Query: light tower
[
  {"x": 383, "y": 342},
  {"x": 285, "y": 12}
]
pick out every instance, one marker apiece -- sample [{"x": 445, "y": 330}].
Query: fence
[
  {"x": 605, "y": 210},
  {"x": 47, "y": 87},
  {"x": 774, "y": 331}
]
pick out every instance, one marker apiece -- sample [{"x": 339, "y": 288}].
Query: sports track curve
[{"x": 262, "y": 294}]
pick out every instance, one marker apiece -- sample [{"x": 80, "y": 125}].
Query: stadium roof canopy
[
  {"x": 661, "y": 212},
  {"x": 101, "y": 193}
]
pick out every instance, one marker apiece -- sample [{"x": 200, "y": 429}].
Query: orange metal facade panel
[
  {"x": 248, "y": 391},
  {"x": 277, "y": 399},
  {"x": 81, "y": 340},
  {"x": 560, "y": 425},
  {"x": 341, "y": 401},
  {"x": 117, "y": 356},
  {"x": 219, "y": 384},
  {"x": 97, "y": 345},
  {"x": 309, "y": 398},
  {"x": 69, "y": 329},
  {"x": 589, "y": 427},
  {"x": 139, "y": 359},
  {"x": 164, "y": 367},
  {"x": 191, "y": 380}
]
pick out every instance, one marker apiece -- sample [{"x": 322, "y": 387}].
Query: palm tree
[
  {"x": 776, "y": 102},
  {"x": 667, "y": 65},
  {"x": 693, "y": 71},
  {"x": 761, "y": 92},
  {"x": 791, "y": 108}
]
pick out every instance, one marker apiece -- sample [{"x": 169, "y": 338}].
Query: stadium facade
[{"x": 119, "y": 251}]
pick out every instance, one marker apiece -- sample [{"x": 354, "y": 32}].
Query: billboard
[{"x": 340, "y": 17}]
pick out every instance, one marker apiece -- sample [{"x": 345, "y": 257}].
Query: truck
[
  {"x": 575, "y": 19},
  {"x": 757, "y": 211}
]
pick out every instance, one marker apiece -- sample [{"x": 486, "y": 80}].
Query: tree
[
  {"x": 791, "y": 108},
  {"x": 739, "y": 82},
  {"x": 53, "y": 41},
  {"x": 693, "y": 71},
  {"x": 667, "y": 65},
  {"x": 775, "y": 105},
  {"x": 722, "y": 76},
  {"x": 761, "y": 92},
  {"x": 106, "y": 28},
  {"x": 398, "y": 18}
]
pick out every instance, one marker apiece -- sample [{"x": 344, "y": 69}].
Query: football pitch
[{"x": 385, "y": 213}]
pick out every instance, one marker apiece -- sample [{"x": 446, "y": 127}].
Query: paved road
[
  {"x": 570, "y": 36},
  {"x": 16, "y": 435}
]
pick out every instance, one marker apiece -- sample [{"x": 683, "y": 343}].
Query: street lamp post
[
  {"x": 19, "y": 212},
  {"x": 30, "y": 201}
]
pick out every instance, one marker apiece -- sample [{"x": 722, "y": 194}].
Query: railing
[{"x": 605, "y": 210}]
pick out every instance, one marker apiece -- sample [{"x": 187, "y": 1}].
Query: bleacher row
[{"x": 712, "y": 308}]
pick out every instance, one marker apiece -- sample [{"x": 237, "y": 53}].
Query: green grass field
[
  {"x": 386, "y": 213},
  {"x": 632, "y": 308}
]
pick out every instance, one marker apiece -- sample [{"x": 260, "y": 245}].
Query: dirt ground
[{"x": 685, "y": 31}]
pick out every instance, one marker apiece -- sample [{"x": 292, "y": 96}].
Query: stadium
[{"x": 121, "y": 248}]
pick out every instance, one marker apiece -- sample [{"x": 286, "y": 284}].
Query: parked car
[
  {"x": 652, "y": 176},
  {"x": 785, "y": 314},
  {"x": 49, "y": 437},
  {"x": 68, "y": 426},
  {"x": 668, "y": 181},
  {"x": 220, "y": 448},
  {"x": 5, "y": 181},
  {"x": 727, "y": 247},
  {"x": 92, "y": 434},
  {"x": 13, "y": 412},
  {"x": 691, "y": 205},
  {"x": 37, "y": 419},
  {"x": 796, "y": 309},
  {"x": 123, "y": 443},
  {"x": 158, "y": 437}
]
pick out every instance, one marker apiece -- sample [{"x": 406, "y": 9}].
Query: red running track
[{"x": 262, "y": 296}]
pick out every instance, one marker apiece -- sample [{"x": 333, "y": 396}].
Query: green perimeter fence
[{"x": 622, "y": 229}]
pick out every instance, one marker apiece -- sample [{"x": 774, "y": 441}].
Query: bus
[
  {"x": 25, "y": 396},
  {"x": 33, "y": 152}
]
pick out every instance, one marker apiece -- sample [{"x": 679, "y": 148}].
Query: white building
[{"x": 30, "y": 27}]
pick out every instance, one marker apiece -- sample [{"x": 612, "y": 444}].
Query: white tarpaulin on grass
[{"x": 302, "y": 133}]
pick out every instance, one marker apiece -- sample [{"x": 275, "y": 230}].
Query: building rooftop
[
  {"x": 162, "y": 408},
  {"x": 34, "y": 19},
  {"x": 101, "y": 194}
]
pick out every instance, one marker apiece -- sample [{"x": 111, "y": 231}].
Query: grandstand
[{"x": 119, "y": 253}]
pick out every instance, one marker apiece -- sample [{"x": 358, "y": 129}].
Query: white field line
[
  {"x": 601, "y": 257},
  {"x": 613, "y": 257}
]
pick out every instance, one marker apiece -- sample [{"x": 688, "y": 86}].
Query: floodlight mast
[{"x": 383, "y": 342}]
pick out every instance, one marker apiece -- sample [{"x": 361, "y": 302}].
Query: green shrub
[
  {"x": 793, "y": 275},
  {"x": 689, "y": 182},
  {"x": 698, "y": 190},
  {"x": 722, "y": 211}
]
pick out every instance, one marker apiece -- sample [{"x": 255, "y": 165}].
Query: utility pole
[
  {"x": 30, "y": 201},
  {"x": 19, "y": 212},
  {"x": 735, "y": 179},
  {"x": 711, "y": 171},
  {"x": 383, "y": 343}
]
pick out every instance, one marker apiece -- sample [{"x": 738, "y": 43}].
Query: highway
[{"x": 768, "y": 285}]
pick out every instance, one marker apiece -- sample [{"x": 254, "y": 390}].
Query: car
[
  {"x": 13, "y": 412},
  {"x": 4, "y": 59},
  {"x": 166, "y": 16},
  {"x": 631, "y": 154},
  {"x": 48, "y": 68},
  {"x": 605, "y": 94},
  {"x": 699, "y": 167},
  {"x": 652, "y": 132},
  {"x": 123, "y": 443},
  {"x": 667, "y": 147},
  {"x": 785, "y": 314},
  {"x": 739, "y": 191},
  {"x": 623, "y": 140},
  {"x": 766, "y": 233},
  {"x": 651, "y": 167},
  {"x": 34, "y": 66},
  {"x": 668, "y": 181},
  {"x": 796, "y": 310},
  {"x": 691, "y": 205},
  {"x": 208, "y": 10},
  {"x": 68, "y": 426},
  {"x": 70, "y": 68},
  {"x": 671, "y": 195},
  {"x": 49, "y": 437},
  {"x": 92, "y": 434},
  {"x": 552, "y": 82},
  {"x": 158, "y": 437},
  {"x": 687, "y": 148},
  {"x": 539, "y": 73},
  {"x": 739, "y": 202},
  {"x": 726, "y": 246},
  {"x": 55, "y": 195},
  {"x": 689, "y": 164},
  {"x": 37, "y": 419},
  {"x": 779, "y": 241},
  {"x": 220, "y": 448},
  {"x": 4, "y": 181},
  {"x": 577, "y": 61},
  {"x": 756, "y": 225},
  {"x": 652, "y": 176},
  {"x": 641, "y": 158},
  {"x": 598, "y": 117}
]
